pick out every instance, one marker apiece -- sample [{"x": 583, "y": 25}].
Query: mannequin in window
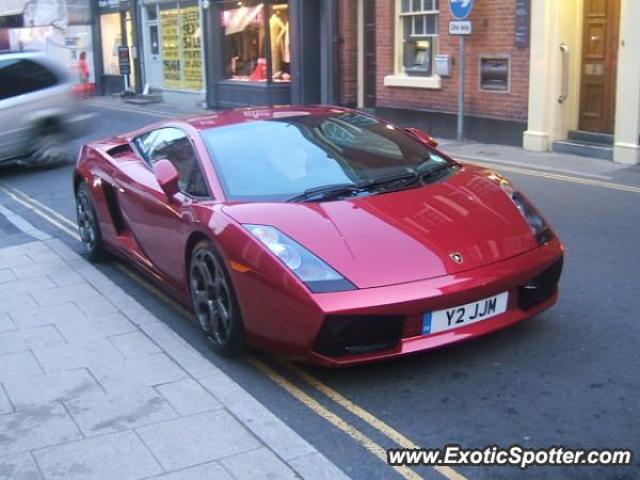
[
  {"x": 279, "y": 31},
  {"x": 260, "y": 72}
]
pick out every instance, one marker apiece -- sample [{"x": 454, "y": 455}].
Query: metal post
[{"x": 460, "y": 135}]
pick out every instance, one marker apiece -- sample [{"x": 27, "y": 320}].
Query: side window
[
  {"x": 20, "y": 76},
  {"x": 173, "y": 144},
  {"x": 198, "y": 187}
]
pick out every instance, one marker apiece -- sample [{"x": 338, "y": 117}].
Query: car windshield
[{"x": 276, "y": 160}]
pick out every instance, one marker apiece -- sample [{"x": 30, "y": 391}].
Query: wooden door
[
  {"x": 599, "y": 65},
  {"x": 369, "y": 40}
]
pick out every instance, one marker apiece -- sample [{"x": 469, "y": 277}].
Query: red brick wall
[
  {"x": 494, "y": 34},
  {"x": 348, "y": 48},
  {"x": 4, "y": 39}
]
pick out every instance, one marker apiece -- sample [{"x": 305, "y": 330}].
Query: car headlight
[
  {"x": 311, "y": 270},
  {"x": 537, "y": 224}
]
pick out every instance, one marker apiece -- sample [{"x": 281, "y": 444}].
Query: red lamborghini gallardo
[{"x": 317, "y": 233}]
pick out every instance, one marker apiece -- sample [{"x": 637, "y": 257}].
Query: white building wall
[
  {"x": 553, "y": 23},
  {"x": 627, "y": 133}
]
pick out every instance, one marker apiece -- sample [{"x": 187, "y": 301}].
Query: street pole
[{"x": 460, "y": 135}]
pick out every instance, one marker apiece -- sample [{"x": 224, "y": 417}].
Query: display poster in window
[
  {"x": 191, "y": 45},
  {"x": 171, "y": 65}
]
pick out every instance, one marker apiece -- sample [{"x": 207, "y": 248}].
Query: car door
[
  {"x": 28, "y": 91},
  {"x": 9, "y": 131},
  {"x": 155, "y": 220}
]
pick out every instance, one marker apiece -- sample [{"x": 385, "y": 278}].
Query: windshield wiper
[
  {"x": 326, "y": 192},
  {"x": 415, "y": 178},
  {"x": 436, "y": 171},
  {"x": 410, "y": 177},
  {"x": 389, "y": 179}
]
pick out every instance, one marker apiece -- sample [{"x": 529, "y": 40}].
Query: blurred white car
[{"x": 39, "y": 112}]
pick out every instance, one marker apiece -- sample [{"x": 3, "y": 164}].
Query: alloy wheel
[
  {"x": 211, "y": 296},
  {"x": 86, "y": 222}
]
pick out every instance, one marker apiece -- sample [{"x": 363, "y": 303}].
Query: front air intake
[
  {"x": 540, "y": 288},
  {"x": 343, "y": 335}
]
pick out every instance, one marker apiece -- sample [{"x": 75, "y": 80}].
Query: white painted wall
[
  {"x": 553, "y": 23},
  {"x": 627, "y": 132}
]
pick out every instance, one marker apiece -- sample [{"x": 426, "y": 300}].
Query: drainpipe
[{"x": 336, "y": 36}]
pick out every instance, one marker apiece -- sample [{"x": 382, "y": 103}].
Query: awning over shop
[
  {"x": 12, "y": 7},
  {"x": 40, "y": 13},
  {"x": 238, "y": 19},
  {"x": 78, "y": 11}
]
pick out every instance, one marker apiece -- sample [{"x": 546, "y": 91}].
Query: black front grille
[
  {"x": 353, "y": 335},
  {"x": 540, "y": 288}
]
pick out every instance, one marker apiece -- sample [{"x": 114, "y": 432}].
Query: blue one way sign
[{"x": 461, "y": 9}]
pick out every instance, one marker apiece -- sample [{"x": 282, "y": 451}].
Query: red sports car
[{"x": 316, "y": 233}]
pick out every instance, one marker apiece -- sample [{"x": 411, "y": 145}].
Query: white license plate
[{"x": 462, "y": 315}]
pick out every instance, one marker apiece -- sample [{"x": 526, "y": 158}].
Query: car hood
[{"x": 407, "y": 235}]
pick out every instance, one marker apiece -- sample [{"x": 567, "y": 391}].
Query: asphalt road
[{"x": 569, "y": 377}]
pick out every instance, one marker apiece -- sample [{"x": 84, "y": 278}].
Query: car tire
[
  {"x": 50, "y": 148},
  {"x": 214, "y": 301},
  {"x": 88, "y": 225}
]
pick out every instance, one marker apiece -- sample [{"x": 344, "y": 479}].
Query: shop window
[
  {"x": 418, "y": 26},
  {"x": 181, "y": 47},
  {"x": 111, "y": 39},
  {"x": 256, "y": 41},
  {"x": 12, "y": 21},
  {"x": 153, "y": 39},
  {"x": 152, "y": 13}
]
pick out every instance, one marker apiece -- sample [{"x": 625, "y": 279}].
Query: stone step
[
  {"x": 144, "y": 99},
  {"x": 591, "y": 137},
  {"x": 584, "y": 149}
]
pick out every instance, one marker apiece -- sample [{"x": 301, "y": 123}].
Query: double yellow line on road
[
  {"x": 69, "y": 227},
  {"x": 54, "y": 218}
]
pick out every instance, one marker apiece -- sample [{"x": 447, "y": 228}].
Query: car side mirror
[
  {"x": 168, "y": 177},
  {"x": 422, "y": 136}
]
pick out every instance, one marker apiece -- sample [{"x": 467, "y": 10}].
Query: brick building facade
[
  {"x": 348, "y": 53},
  {"x": 493, "y": 36},
  {"x": 433, "y": 104},
  {"x": 546, "y": 75}
]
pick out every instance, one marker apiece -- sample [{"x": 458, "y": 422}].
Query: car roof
[
  {"x": 253, "y": 114},
  {"x": 20, "y": 54}
]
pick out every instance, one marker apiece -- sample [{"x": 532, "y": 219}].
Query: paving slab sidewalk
[
  {"x": 558, "y": 163},
  {"x": 93, "y": 386}
]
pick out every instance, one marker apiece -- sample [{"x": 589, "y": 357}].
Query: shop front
[
  {"x": 172, "y": 49},
  {"x": 269, "y": 52},
  {"x": 116, "y": 42}
]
